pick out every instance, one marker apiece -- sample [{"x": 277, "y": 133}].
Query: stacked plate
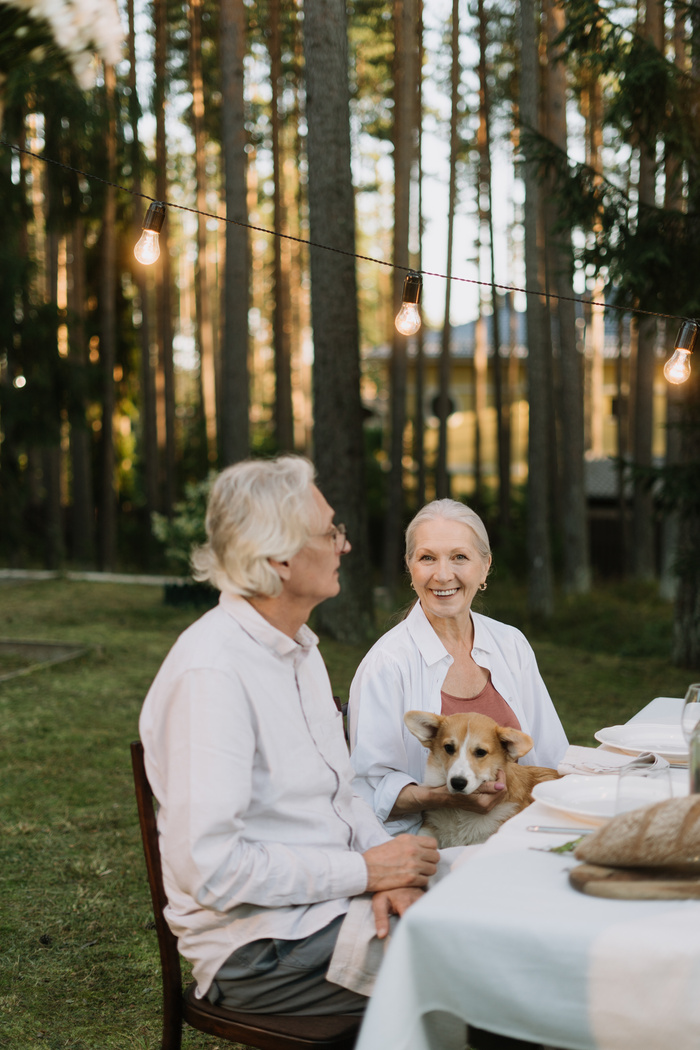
[
  {"x": 636, "y": 737},
  {"x": 592, "y": 798}
]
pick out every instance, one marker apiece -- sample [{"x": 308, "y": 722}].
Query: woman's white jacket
[{"x": 404, "y": 671}]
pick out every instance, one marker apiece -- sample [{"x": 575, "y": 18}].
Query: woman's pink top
[{"x": 488, "y": 702}]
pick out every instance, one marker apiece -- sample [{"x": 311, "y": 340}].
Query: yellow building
[{"x": 606, "y": 383}]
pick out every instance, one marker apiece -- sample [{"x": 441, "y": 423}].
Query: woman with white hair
[
  {"x": 443, "y": 658},
  {"x": 262, "y": 838}
]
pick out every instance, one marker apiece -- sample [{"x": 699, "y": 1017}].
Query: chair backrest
[{"x": 167, "y": 942}]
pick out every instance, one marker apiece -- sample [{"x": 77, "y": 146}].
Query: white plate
[
  {"x": 592, "y": 798},
  {"x": 635, "y": 737}
]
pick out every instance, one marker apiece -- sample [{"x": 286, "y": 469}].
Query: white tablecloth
[{"x": 505, "y": 944}]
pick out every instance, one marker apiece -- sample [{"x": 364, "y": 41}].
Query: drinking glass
[
  {"x": 690, "y": 715},
  {"x": 690, "y": 721},
  {"x": 640, "y": 786}
]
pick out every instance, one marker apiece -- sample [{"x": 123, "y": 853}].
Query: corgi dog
[{"x": 466, "y": 751}]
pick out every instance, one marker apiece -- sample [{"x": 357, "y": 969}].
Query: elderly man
[{"x": 262, "y": 839}]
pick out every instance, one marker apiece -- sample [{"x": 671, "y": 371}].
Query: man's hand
[
  {"x": 392, "y": 902},
  {"x": 407, "y": 860}
]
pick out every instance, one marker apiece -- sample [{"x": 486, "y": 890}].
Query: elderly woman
[{"x": 443, "y": 658}]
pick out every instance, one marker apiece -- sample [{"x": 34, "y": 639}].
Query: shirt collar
[
  {"x": 429, "y": 645},
  {"x": 263, "y": 632},
  {"x": 483, "y": 639}
]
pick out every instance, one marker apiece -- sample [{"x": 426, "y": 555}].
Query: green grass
[{"x": 78, "y": 960}]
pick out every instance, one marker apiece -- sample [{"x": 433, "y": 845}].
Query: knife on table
[{"x": 561, "y": 831}]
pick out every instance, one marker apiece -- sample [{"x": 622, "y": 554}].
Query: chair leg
[{"x": 172, "y": 1030}]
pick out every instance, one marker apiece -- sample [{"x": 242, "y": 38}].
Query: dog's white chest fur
[{"x": 453, "y": 827}]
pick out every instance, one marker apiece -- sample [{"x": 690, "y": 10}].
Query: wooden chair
[{"x": 261, "y": 1031}]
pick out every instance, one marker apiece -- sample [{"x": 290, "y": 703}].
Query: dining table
[{"x": 506, "y": 945}]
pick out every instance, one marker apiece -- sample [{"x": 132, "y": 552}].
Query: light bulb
[
  {"x": 408, "y": 318},
  {"x": 147, "y": 249},
  {"x": 677, "y": 368}
]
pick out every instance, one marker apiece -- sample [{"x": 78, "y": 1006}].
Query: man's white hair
[
  {"x": 453, "y": 511},
  {"x": 258, "y": 510}
]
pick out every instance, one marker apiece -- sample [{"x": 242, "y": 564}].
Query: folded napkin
[
  {"x": 664, "y": 836},
  {"x": 358, "y": 951},
  {"x": 595, "y": 760}
]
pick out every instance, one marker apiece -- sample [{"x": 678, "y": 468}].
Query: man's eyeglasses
[{"x": 338, "y": 534}]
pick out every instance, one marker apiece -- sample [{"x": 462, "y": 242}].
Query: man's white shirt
[{"x": 261, "y": 834}]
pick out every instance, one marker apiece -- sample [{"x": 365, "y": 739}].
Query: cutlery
[{"x": 561, "y": 831}]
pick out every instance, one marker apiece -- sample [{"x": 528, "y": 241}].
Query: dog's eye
[
  {"x": 450, "y": 749},
  {"x": 480, "y": 752}
]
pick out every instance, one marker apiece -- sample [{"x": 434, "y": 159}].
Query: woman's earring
[{"x": 482, "y": 586}]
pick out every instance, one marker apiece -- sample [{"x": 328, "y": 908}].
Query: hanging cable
[{"x": 342, "y": 251}]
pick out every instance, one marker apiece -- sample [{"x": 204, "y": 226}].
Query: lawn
[{"x": 78, "y": 957}]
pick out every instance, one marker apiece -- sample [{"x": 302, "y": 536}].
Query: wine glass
[{"x": 642, "y": 785}]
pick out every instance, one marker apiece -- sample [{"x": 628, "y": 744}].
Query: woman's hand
[
  {"x": 417, "y": 798},
  {"x": 481, "y": 801}
]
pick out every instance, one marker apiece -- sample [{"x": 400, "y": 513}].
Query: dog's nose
[{"x": 458, "y": 783}]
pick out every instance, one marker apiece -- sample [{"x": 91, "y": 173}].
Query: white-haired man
[{"x": 262, "y": 839}]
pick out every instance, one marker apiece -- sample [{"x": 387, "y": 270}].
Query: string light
[
  {"x": 677, "y": 368},
  {"x": 408, "y": 318},
  {"x": 340, "y": 251},
  {"x": 147, "y": 248}
]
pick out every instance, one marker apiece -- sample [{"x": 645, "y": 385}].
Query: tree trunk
[
  {"x": 165, "y": 384},
  {"x": 480, "y": 378},
  {"x": 51, "y": 452},
  {"x": 205, "y": 328},
  {"x": 147, "y": 415},
  {"x": 419, "y": 415},
  {"x": 592, "y": 112},
  {"x": 577, "y": 571},
  {"x": 83, "y": 511},
  {"x": 623, "y": 428},
  {"x": 540, "y": 594},
  {"x": 281, "y": 320},
  {"x": 643, "y": 514},
  {"x": 107, "y": 518},
  {"x": 442, "y": 478},
  {"x": 686, "y": 620},
  {"x": 675, "y": 394},
  {"x": 686, "y": 617},
  {"x": 485, "y": 179},
  {"x": 108, "y": 324},
  {"x": 234, "y": 351},
  {"x": 404, "y": 116},
  {"x": 338, "y": 435}
]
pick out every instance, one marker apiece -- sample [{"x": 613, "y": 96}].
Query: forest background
[{"x": 293, "y": 146}]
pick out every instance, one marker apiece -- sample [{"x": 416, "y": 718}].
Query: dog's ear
[
  {"x": 515, "y": 743},
  {"x": 423, "y": 724}
]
